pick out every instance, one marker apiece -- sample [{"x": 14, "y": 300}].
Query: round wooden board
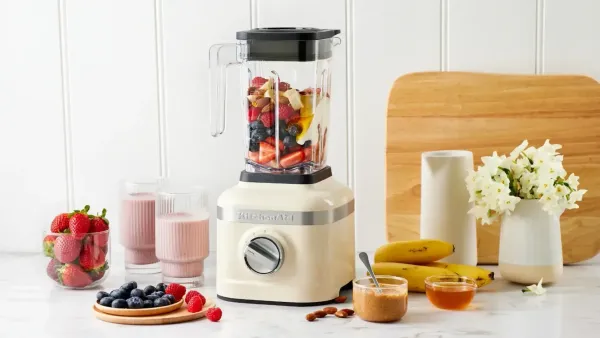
[
  {"x": 138, "y": 312},
  {"x": 179, "y": 316}
]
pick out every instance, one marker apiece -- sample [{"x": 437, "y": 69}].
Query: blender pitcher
[{"x": 286, "y": 91}]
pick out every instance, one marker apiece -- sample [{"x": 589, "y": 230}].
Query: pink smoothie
[
  {"x": 182, "y": 244},
  {"x": 137, "y": 228}
]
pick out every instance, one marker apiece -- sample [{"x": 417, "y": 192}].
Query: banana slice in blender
[{"x": 310, "y": 130}]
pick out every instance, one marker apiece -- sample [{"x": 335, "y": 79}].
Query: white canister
[
  {"x": 445, "y": 203},
  {"x": 530, "y": 245}
]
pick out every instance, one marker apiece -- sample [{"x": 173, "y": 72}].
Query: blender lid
[{"x": 287, "y": 33}]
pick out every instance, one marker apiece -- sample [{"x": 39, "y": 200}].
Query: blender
[{"x": 285, "y": 231}]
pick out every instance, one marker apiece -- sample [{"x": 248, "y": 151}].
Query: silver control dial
[{"x": 263, "y": 255}]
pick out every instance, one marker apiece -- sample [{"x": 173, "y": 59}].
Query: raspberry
[
  {"x": 193, "y": 294},
  {"x": 214, "y": 314},
  {"x": 267, "y": 119},
  {"x": 195, "y": 304},
  {"x": 286, "y": 112},
  {"x": 177, "y": 290}
]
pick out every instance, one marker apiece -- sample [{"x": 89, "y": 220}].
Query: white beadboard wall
[{"x": 95, "y": 91}]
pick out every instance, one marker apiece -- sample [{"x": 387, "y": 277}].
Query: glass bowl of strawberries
[{"x": 78, "y": 248}]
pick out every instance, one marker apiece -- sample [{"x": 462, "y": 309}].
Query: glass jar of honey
[{"x": 450, "y": 292}]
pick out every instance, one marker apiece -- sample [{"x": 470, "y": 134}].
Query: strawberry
[
  {"x": 52, "y": 269},
  {"x": 214, "y": 314},
  {"x": 292, "y": 159},
  {"x": 258, "y": 81},
  {"x": 195, "y": 304},
  {"x": 267, "y": 119},
  {"x": 79, "y": 222},
  {"x": 66, "y": 248},
  {"x": 308, "y": 153},
  {"x": 92, "y": 258},
  {"x": 60, "y": 223},
  {"x": 253, "y": 156},
  {"x": 266, "y": 153},
  {"x": 253, "y": 113},
  {"x": 73, "y": 276},
  {"x": 49, "y": 246},
  {"x": 99, "y": 226},
  {"x": 283, "y": 86},
  {"x": 286, "y": 112},
  {"x": 177, "y": 290},
  {"x": 271, "y": 140},
  {"x": 192, "y": 294}
]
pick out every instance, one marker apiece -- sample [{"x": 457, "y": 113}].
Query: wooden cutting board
[{"x": 487, "y": 112}]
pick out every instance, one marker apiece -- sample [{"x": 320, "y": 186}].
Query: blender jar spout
[{"x": 221, "y": 56}]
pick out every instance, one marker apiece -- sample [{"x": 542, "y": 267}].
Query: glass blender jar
[{"x": 285, "y": 98}]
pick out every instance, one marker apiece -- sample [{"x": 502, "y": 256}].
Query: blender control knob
[{"x": 263, "y": 255}]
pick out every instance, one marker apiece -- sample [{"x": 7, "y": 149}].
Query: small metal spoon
[{"x": 365, "y": 259}]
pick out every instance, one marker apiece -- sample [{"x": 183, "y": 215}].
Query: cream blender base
[{"x": 292, "y": 246}]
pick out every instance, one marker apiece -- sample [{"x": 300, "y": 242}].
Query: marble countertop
[{"x": 31, "y": 306}]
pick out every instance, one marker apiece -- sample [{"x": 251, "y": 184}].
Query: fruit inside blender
[{"x": 286, "y": 127}]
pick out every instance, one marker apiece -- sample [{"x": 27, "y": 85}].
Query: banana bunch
[{"x": 417, "y": 260}]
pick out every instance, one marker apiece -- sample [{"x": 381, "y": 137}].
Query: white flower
[
  {"x": 518, "y": 150},
  {"x": 573, "y": 181}
]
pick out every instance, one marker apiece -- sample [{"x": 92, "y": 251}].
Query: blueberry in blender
[
  {"x": 254, "y": 125},
  {"x": 294, "y": 130},
  {"x": 253, "y": 146},
  {"x": 135, "y": 303},
  {"x": 289, "y": 141},
  {"x": 119, "y": 304},
  {"x": 270, "y": 131},
  {"x": 101, "y": 294},
  {"x": 259, "y": 134},
  {"x": 106, "y": 301}
]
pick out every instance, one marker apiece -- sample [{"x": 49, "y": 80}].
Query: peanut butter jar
[{"x": 386, "y": 304}]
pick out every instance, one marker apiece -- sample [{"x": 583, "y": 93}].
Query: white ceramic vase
[
  {"x": 445, "y": 203},
  {"x": 530, "y": 245}
]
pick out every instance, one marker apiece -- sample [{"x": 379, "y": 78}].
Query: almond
[
  {"x": 283, "y": 100},
  {"x": 330, "y": 310},
  {"x": 263, "y": 101},
  {"x": 341, "y": 314},
  {"x": 253, "y": 98},
  {"x": 340, "y": 299},
  {"x": 267, "y": 108},
  {"x": 310, "y": 317},
  {"x": 320, "y": 313},
  {"x": 349, "y": 312}
]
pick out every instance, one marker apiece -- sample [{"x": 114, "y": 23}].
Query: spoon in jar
[{"x": 365, "y": 259}]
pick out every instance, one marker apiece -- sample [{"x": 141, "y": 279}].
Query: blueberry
[
  {"x": 152, "y": 297},
  {"x": 161, "y": 302},
  {"x": 129, "y": 286},
  {"x": 253, "y": 146},
  {"x": 270, "y": 131},
  {"x": 137, "y": 293},
  {"x": 118, "y": 294},
  {"x": 282, "y": 129},
  {"x": 256, "y": 125},
  {"x": 161, "y": 287},
  {"x": 119, "y": 303},
  {"x": 258, "y": 135},
  {"x": 159, "y": 293},
  {"x": 148, "y": 290},
  {"x": 135, "y": 303},
  {"x": 294, "y": 130},
  {"x": 148, "y": 303},
  {"x": 106, "y": 301},
  {"x": 101, "y": 294},
  {"x": 170, "y": 297},
  {"x": 289, "y": 141},
  {"x": 307, "y": 144}
]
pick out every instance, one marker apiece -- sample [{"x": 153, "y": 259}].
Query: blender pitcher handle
[{"x": 220, "y": 57}]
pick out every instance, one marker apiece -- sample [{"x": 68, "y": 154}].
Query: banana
[
  {"x": 414, "y": 274},
  {"x": 481, "y": 276},
  {"x": 421, "y": 251}
]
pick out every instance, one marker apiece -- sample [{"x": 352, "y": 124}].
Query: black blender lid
[{"x": 287, "y": 33}]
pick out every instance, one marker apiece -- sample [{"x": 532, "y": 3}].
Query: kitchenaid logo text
[{"x": 261, "y": 217}]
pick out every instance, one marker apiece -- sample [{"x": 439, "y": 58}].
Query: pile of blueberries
[
  {"x": 128, "y": 296},
  {"x": 258, "y": 133}
]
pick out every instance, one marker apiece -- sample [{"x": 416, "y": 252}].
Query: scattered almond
[
  {"x": 320, "y": 313},
  {"x": 330, "y": 310},
  {"x": 341, "y": 314},
  {"x": 310, "y": 317},
  {"x": 340, "y": 299},
  {"x": 349, "y": 312}
]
